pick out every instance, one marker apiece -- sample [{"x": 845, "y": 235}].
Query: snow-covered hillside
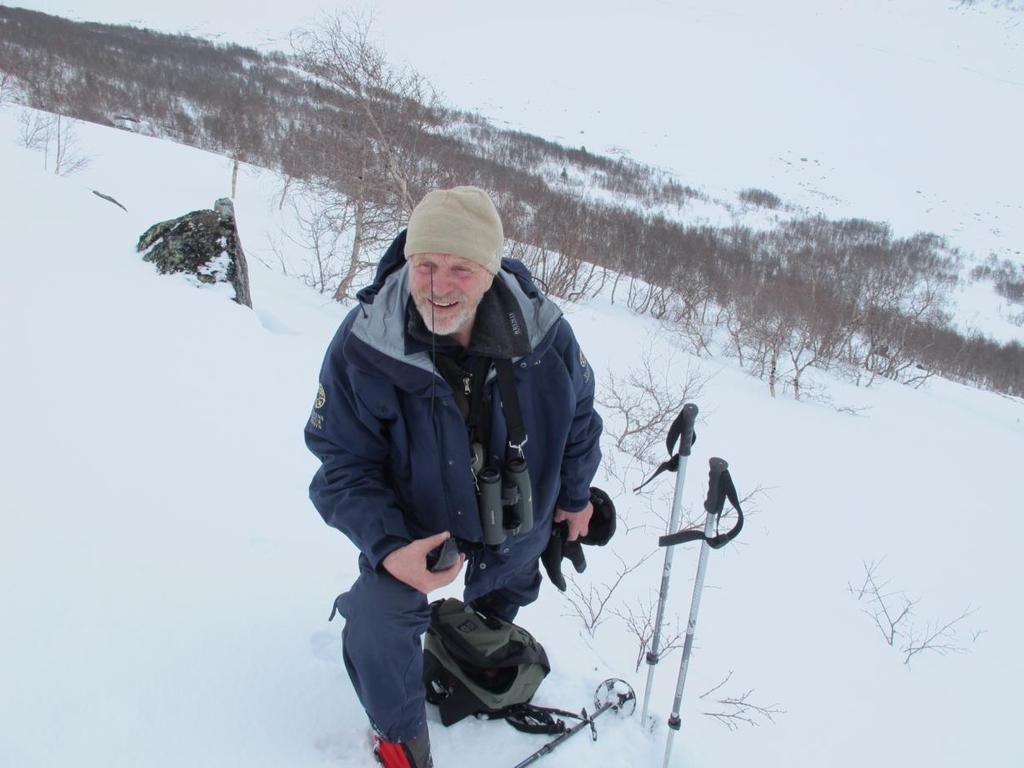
[
  {"x": 167, "y": 583},
  {"x": 906, "y": 113}
]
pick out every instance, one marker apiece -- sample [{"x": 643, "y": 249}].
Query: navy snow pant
[{"x": 385, "y": 620}]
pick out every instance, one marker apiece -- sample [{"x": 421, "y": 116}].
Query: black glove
[
  {"x": 602, "y": 523},
  {"x": 600, "y": 532},
  {"x": 559, "y": 548}
]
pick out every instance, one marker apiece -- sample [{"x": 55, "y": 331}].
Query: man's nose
[{"x": 442, "y": 282}]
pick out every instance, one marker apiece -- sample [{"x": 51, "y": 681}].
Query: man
[{"x": 453, "y": 366}]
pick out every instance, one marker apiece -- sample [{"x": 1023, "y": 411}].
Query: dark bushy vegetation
[
  {"x": 813, "y": 293},
  {"x": 1007, "y": 277},
  {"x": 760, "y": 197}
]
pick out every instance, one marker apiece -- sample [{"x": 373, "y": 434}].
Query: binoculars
[{"x": 506, "y": 501}]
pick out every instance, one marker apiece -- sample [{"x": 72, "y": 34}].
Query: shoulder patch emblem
[
  {"x": 585, "y": 367},
  {"x": 316, "y": 419}
]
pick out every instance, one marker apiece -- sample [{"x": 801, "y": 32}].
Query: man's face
[{"x": 447, "y": 290}]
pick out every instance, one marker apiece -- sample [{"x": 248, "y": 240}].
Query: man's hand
[
  {"x": 579, "y": 522},
  {"x": 408, "y": 564}
]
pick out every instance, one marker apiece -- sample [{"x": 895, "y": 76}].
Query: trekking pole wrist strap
[
  {"x": 720, "y": 488},
  {"x": 680, "y": 432}
]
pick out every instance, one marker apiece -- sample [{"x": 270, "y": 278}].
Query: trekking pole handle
[
  {"x": 681, "y": 432},
  {"x": 715, "y": 501},
  {"x": 682, "y": 429},
  {"x": 720, "y": 488}
]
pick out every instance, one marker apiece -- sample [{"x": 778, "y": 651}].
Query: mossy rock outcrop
[{"x": 203, "y": 244}]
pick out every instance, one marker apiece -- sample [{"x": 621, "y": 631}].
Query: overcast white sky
[{"x": 889, "y": 106}]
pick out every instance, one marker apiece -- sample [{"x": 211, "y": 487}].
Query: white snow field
[{"x": 166, "y": 582}]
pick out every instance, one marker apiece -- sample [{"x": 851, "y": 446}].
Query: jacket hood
[{"x": 393, "y": 259}]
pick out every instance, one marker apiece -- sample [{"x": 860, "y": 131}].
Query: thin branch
[
  {"x": 737, "y": 711},
  {"x": 589, "y": 605}
]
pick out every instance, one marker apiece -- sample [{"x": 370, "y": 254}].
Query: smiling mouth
[{"x": 443, "y": 304}]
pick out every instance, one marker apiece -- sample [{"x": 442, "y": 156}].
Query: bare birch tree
[{"x": 394, "y": 110}]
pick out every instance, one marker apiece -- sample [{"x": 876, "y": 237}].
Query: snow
[{"x": 167, "y": 582}]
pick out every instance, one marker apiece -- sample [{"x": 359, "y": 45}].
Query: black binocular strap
[
  {"x": 510, "y": 405},
  {"x": 720, "y": 489},
  {"x": 477, "y": 420}
]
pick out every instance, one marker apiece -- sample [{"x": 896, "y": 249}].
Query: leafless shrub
[
  {"x": 938, "y": 637},
  {"x": 762, "y": 198},
  {"x": 555, "y": 242},
  {"x": 67, "y": 152},
  {"x": 6, "y": 85},
  {"x": 1007, "y": 278},
  {"x": 34, "y": 129},
  {"x": 590, "y": 604},
  {"x": 736, "y": 711},
  {"x": 888, "y": 609},
  {"x": 639, "y": 619},
  {"x": 319, "y": 228},
  {"x": 55, "y": 137},
  {"x": 643, "y": 404},
  {"x": 892, "y": 612},
  {"x": 751, "y": 500},
  {"x": 275, "y": 247},
  {"x": 693, "y": 311}
]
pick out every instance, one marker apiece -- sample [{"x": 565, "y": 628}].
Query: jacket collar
[
  {"x": 499, "y": 328},
  {"x": 514, "y": 323}
]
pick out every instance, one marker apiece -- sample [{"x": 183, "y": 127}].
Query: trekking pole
[
  {"x": 720, "y": 487},
  {"x": 613, "y": 694},
  {"x": 682, "y": 429}
]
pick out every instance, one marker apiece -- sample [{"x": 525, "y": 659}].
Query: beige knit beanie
[{"x": 461, "y": 221}]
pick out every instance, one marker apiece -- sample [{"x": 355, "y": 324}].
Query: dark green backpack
[{"x": 474, "y": 664}]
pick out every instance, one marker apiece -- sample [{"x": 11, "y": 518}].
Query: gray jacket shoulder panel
[{"x": 381, "y": 325}]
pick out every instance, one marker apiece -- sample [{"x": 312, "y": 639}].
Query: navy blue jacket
[{"x": 393, "y": 445}]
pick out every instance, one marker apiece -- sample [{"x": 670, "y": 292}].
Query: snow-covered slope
[
  {"x": 167, "y": 583},
  {"x": 906, "y": 112}
]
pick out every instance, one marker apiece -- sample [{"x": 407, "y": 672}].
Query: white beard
[{"x": 444, "y": 326}]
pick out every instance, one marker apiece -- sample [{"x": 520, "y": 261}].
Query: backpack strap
[
  {"x": 530, "y": 718},
  {"x": 458, "y": 705}
]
